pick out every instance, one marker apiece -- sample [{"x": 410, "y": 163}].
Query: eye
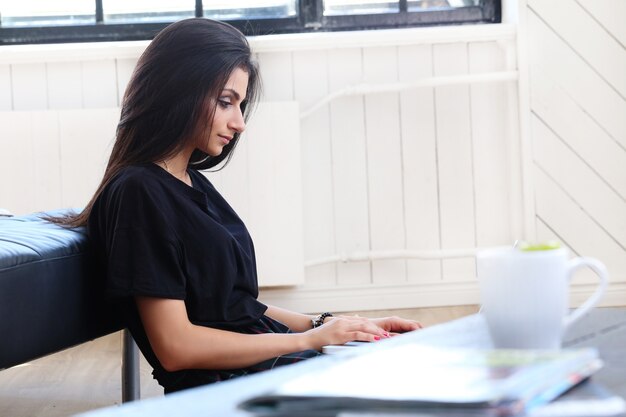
[{"x": 224, "y": 102}]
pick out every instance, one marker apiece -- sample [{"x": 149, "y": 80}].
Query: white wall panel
[
  {"x": 491, "y": 163},
  {"x": 65, "y": 85},
  {"x": 29, "y": 161},
  {"x": 555, "y": 60},
  {"x": 29, "y": 86},
  {"x": 602, "y": 52},
  {"x": 378, "y": 171},
  {"x": 310, "y": 78},
  {"x": 6, "y": 94},
  {"x": 454, "y": 158},
  {"x": 45, "y": 162},
  {"x": 610, "y": 14},
  {"x": 275, "y": 216},
  {"x": 268, "y": 195},
  {"x": 384, "y": 164},
  {"x": 578, "y": 101},
  {"x": 419, "y": 162},
  {"x": 124, "y": 69},
  {"x": 579, "y": 181},
  {"x": 587, "y": 138},
  {"x": 16, "y": 190},
  {"x": 277, "y": 75},
  {"x": 232, "y": 181},
  {"x": 560, "y": 212},
  {"x": 99, "y": 84},
  {"x": 86, "y": 140},
  {"x": 349, "y": 166}
]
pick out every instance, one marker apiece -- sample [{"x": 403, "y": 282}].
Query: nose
[{"x": 236, "y": 122}]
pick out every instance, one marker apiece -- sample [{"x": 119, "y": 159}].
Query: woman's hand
[
  {"x": 392, "y": 325},
  {"x": 396, "y": 325},
  {"x": 341, "y": 330}
]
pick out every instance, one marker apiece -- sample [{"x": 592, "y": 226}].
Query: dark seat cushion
[{"x": 50, "y": 290}]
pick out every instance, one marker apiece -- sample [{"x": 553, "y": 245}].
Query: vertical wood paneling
[
  {"x": 384, "y": 164},
  {"x": 29, "y": 86},
  {"x": 267, "y": 195},
  {"x": 454, "y": 150},
  {"x": 554, "y": 59},
  {"x": 277, "y": 75},
  {"x": 603, "y": 53},
  {"x": 45, "y": 161},
  {"x": 375, "y": 167},
  {"x": 232, "y": 181},
  {"x": 310, "y": 72},
  {"x": 349, "y": 166},
  {"x": 65, "y": 85},
  {"x": 6, "y": 95},
  {"x": 29, "y": 144},
  {"x": 277, "y": 228},
  {"x": 86, "y": 140},
  {"x": 16, "y": 193},
  {"x": 124, "y": 68},
  {"x": 491, "y": 143},
  {"x": 419, "y": 162},
  {"x": 99, "y": 84}
]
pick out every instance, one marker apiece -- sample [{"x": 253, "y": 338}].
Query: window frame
[{"x": 309, "y": 19}]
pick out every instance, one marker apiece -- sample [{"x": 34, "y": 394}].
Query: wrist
[
  {"x": 317, "y": 321},
  {"x": 304, "y": 341}
]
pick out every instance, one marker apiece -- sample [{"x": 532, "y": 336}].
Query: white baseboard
[{"x": 386, "y": 297}]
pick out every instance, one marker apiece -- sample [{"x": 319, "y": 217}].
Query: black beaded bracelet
[{"x": 319, "y": 320}]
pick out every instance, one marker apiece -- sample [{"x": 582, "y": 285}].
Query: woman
[{"x": 179, "y": 262}]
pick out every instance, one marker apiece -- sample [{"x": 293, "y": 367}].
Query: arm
[
  {"x": 301, "y": 322},
  {"x": 179, "y": 344},
  {"x": 297, "y": 322}
]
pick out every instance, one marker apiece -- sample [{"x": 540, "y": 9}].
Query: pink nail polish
[{"x": 376, "y": 337}]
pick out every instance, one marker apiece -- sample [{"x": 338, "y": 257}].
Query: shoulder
[
  {"x": 137, "y": 182},
  {"x": 135, "y": 197},
  {"x": 136, "y": 177},
  {"x": 136, "y": 190}
]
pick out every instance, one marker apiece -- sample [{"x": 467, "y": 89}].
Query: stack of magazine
[{"x": 418, "y": 380}]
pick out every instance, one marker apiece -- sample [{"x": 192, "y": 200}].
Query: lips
[{"x": 226, "y": 139}]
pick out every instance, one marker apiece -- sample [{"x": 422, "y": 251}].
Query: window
[{"x": 53, "y": 21}]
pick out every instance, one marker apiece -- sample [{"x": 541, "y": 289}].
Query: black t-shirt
[{"x": 158, "y": 237}]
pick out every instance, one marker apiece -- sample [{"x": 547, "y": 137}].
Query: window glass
[
  {"x": 146, "y": 11},
  {"x": 419, "y": 5},
  {"x": 348, "y": 7},
  {"x": 249, "y": 9},
  {"x": 16, "y": 13}
]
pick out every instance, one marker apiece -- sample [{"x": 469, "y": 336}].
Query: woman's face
[{"x": 228, "y": 118}]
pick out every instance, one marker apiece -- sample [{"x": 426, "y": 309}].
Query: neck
[{"x": 177, "y": 167}]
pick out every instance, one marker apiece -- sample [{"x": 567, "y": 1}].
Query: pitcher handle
[{"x": 600, "y": 270}]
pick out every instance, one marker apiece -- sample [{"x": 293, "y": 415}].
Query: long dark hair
[{"x": 171, "y": 96}]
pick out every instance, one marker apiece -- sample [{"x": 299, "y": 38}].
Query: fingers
[
  {"x": 398, "y": 325},
  {"x": 363, "y": 325},
  {"x": 339, "y": 331},
  {"x": 343, "y": 329}
]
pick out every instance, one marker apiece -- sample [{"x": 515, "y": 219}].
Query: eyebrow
[{"x": 233, "y": 92}]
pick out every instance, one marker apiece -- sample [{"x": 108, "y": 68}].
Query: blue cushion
[{"x": 50, "y": 290}]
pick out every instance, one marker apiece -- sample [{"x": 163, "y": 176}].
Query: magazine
[{"x": 421, "y": 379}]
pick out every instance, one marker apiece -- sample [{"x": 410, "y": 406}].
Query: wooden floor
[{"x": 88, "y": 376}]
